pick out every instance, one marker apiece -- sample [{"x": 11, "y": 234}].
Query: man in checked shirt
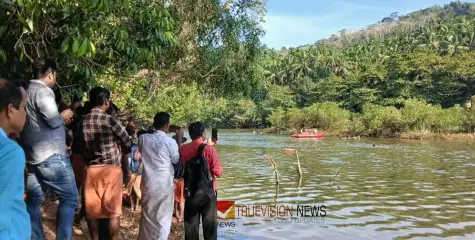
[{"x": 103, "y": 186}]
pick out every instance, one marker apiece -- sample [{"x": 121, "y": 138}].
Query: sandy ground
[{"x": 129, "y": 225}]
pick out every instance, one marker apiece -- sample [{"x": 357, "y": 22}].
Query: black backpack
[
  {"x": 198, "y": 181},
  {"x": 179, "y": 170}
]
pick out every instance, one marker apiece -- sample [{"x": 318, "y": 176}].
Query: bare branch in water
[
  {"x": 298, "y": 163},
  {"x": 276, "y": 172},
  {"x": 339, "y": 170}
]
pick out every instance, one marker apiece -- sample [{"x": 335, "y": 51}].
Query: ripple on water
[{"x": 405, "y": 189}]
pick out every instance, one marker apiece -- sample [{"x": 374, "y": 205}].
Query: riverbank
[
  {"x": 415, "y": 135},
  {"x": 129, "y": 225}
]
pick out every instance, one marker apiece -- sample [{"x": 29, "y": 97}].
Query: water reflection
[{"x": 394, "y": 189}]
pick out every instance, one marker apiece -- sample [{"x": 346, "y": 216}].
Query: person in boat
[
  {"x": 305, "y": 131},
  {"x": 309, "y": 131},
  {"x": 302, "y": 129}
]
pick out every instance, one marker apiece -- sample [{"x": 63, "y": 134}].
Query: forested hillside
[
  {"x": 204, "y": 61},
  {"x": 406, "y": 73}
]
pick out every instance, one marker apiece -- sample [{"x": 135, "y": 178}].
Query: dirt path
[{"x": 129, "y": 225}]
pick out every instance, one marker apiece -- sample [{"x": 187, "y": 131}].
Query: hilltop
[
  {"x": 404, "y": 73},
  {"x": 395, "y": 22}
]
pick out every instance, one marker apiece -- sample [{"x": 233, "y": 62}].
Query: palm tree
[{"x": 301, "y": 64}]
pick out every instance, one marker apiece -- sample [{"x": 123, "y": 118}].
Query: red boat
[{"x": 308, "y": 135}]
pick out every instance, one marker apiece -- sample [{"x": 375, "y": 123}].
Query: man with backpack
[{"x": 202, "y": 165}]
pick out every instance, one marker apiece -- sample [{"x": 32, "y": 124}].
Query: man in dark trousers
[{"x": 207, "y": 211}]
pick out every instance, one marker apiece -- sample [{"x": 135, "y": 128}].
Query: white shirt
[{"x": 158, "y": 151}]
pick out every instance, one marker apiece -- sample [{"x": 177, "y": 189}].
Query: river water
[{"x": 371, "y": 189}]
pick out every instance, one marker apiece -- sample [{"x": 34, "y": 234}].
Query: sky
[{"x": 293, "y": 23}]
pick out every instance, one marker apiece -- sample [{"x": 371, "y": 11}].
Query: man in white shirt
[{"x": 159, "y": 152}]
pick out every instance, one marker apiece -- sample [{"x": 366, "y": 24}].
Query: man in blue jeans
[
  {"x": 44, "y": 142},
  {"x": 14, "y": 220}
]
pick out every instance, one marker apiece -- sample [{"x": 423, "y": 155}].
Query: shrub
[
  {"x": 278, "y": 118},
  {"x": 356, "y": 126},
  {"x": 380, "y": 120},
  {"x": 328, "y": 116},
  {"x": 468, "y": 122},
  {"x": 244, "y": 113},
  {"x": 448, "y": 120},
  {"x": 417, "y": 115},
  {"x": 296, "y": 118}
]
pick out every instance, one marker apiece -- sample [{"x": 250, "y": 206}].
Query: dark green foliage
[
  {"x": 378, "y": 73},
  {"x": 203, "y": 60}
]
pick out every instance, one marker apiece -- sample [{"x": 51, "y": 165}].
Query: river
[{"x": 371, "y": 189}]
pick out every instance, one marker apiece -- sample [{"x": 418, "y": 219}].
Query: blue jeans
[{"x": 57, "y": 174}]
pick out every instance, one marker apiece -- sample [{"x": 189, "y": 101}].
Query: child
[
  {"x": 179, "y": 199},
  {"x": 179, "y": 208},
  {"x": 136, "y": 167}
]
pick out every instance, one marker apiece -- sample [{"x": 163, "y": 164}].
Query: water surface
[{"x": 373, "y": 189}]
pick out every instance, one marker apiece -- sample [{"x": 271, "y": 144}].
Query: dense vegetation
[
  {"x": 203, "y": 60},
  {"x": 406, "y": 74},
  {"x": 154, "y": 54}
]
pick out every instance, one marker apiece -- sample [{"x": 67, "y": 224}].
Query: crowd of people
[{"x": 91, "y": 170}]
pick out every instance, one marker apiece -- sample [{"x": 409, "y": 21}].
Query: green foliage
[
  {"x": 278, "y": 118},
  {"x": 296, "y": 118},
  {"x": 376, "y": 120},
  {"x": 418, "y": 115},
  {"x": 407, "y": 73},
  {"x": 278, "y": 96},
  {"x": 449, "y": 120},
  {"x": 380, "y": 120},
  {"x": 328, "y": 116},
  {"x": 428, "y": 56},
  {"x": 469, "y": 121},
  {"x": 244, "y": 113},
  {"x": 180, "y": 56},
  {"x": 129, "y": 35},
  {"x": 203, "y": 60}
]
